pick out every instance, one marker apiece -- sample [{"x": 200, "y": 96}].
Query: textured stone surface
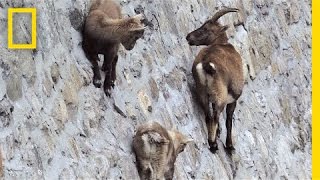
[{"x": 55, "y": 124}]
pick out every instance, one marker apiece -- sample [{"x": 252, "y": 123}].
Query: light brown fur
[
  {"x": 104, "y": 30},
  {"x": 218, "y": 74},
  {"x": 156, "y": 151}
]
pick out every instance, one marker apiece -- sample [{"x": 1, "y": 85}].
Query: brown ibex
[
  {"x": 103, "y": 32},
  {"x": 218, "y": 74},
  {"x": 156, "y": 150}
]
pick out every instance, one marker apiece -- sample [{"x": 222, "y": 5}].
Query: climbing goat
[
  {"x": 217, "y": 71},
  {"x": 156, "y": 151},
  {"x": 103, "y": 32}
]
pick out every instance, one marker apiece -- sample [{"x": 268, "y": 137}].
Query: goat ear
[
  {"x": 138, "y": 17},
  {"x": 139, "y": 29},
  {"x": 188, "y": 140}
]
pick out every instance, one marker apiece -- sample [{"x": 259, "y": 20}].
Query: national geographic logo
[{"x": 11, "y": 12}]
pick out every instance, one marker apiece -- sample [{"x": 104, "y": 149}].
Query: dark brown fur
[
  {"x": 218, "y": 74},
  {"x": 103, "y": 32},
  {"x": 156, "y": 151}
]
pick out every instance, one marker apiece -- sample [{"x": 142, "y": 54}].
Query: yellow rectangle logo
[{"x": 33, "y": 44}]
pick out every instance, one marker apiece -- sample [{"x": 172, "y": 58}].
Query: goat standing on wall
[
  {"x": 103, "y": 32},
  {"x": 217, "y": 71},
  {"x": 156, "y": 151}
]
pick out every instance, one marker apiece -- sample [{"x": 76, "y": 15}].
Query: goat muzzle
[{"x": 190, "y": 42}]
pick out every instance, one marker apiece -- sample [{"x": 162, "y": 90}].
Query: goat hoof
[
  {"x": 107, "y": 92},
  {"x": 112, "y": 84},
  {"x": 97, "y": 83},
  {"x": 230, "y": 149},
  {"x": 213, "y": 147},
  {"x": 218, "y": 132},
  {"x": 107, "y": 89}
]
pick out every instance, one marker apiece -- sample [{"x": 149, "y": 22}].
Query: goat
[
  {"x": 218, "y": 74},
  {"x": 103, "y": 32},
  {"x": 156, "y": 150}
]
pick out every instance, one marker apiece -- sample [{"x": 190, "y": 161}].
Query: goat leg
[
  {"x": 230, "y": 110},
  {"x": 93, "y": 58},
  {"x": 210, "y": 125},
  {"x": 214, "y": 128},
  {"x": 96, "y": 71},
  {"x": 114, "y": 72},
  {"x": 107, "y": 81},
  {"x": 213, "y": 146}
]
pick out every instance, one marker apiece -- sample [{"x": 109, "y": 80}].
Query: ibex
[
  {"x": 103, "y": 32},
  {"x": 217, "y": 71},
  {"x": 156, "y": 150}
]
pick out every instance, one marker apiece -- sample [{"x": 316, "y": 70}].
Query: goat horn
[{"x": 222, "y": 12}]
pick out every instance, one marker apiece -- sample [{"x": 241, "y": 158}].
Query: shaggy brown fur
[
  {"x": 217, "y": 71},
  {"x": 103, "y": 32},
  {"x": 156, "y": 151}
]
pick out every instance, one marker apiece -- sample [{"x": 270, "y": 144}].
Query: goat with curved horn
[
  {"x": 211, "y": 32},
  {"x": 217, "y": 71}
]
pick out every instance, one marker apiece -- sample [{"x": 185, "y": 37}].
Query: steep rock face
[{"x": 56, "y": 124}]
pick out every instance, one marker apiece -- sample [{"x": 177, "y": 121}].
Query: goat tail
[{"x": 209, "y": 68}]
